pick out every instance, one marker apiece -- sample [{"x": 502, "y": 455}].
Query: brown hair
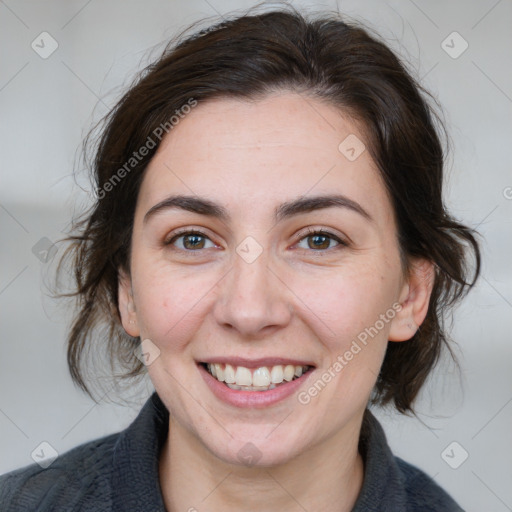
[{"x": 247, "y": 57}]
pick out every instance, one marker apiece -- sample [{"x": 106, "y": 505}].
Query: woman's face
[{"x": 253, "y": 285}]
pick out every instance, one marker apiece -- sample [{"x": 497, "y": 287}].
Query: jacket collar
[
  {"x": 135, "y": 480},
  {"x": 136, "y": 484},
  {"x": 383, "y": 486}
]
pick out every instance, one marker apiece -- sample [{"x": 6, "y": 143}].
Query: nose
[{"x": 253, "y": 300}]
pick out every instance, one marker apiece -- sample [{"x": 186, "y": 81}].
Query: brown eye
[
  {"x": 190, "y": 241},
  {"x": 320, "y": 240},
  {"x": 193, "y": 242}
]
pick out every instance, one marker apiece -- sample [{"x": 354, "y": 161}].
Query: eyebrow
[{"x": 286, "y": 210}]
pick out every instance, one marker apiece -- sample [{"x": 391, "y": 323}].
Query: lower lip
[{"x": 254, "y": 399}]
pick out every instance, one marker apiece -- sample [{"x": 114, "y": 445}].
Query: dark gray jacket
[{"x": 119, "y": 472}]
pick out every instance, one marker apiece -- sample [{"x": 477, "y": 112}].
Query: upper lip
[{"x": 256, "y": 363}]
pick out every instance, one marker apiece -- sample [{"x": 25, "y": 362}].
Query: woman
[{"x": 269, "y": 241}]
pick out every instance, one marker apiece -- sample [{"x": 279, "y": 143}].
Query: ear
[
  {"x": 127, "y": 305},
  {"x": 414, "y": 299}
]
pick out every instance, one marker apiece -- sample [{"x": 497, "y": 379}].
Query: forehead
[{"x": 268, "y": 150}]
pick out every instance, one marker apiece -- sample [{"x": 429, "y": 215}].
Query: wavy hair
[{"x": 247, "y": 57}]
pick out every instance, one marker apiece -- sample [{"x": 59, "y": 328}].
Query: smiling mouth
[{"x": 263, "y": 378}]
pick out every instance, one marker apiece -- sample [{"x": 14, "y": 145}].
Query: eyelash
[
  {"x": 322, "y": 232},
  {"x": 309, "y": 233}
]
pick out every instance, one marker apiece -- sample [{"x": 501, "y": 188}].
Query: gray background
[{"x": 47, "y": 106}]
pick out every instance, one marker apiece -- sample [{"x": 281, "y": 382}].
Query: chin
[{"x": 251, "y": 451}]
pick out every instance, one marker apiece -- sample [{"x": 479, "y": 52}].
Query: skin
[{"x": 294, "y": 300}]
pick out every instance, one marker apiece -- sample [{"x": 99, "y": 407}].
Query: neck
[{"x": 327, "y": 477}]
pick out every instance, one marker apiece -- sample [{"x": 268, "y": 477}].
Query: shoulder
[
  {"x": 392, "y": 484},
  {"x": 77, "y": 478},
  {"x": 422, "y": 493}
]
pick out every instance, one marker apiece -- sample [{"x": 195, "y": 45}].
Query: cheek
[
  {"x": 170, "y": 304},
  {"x": 348, "y": 302},
  {"x": 354, "y": 335}
]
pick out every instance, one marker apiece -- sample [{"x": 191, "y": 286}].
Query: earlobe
[
  {"x": 127, "y": 305},
  {"x": 414, "y": 301}
]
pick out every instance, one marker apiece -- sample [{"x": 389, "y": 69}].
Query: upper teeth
[{"x": 261, "y": 377}]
